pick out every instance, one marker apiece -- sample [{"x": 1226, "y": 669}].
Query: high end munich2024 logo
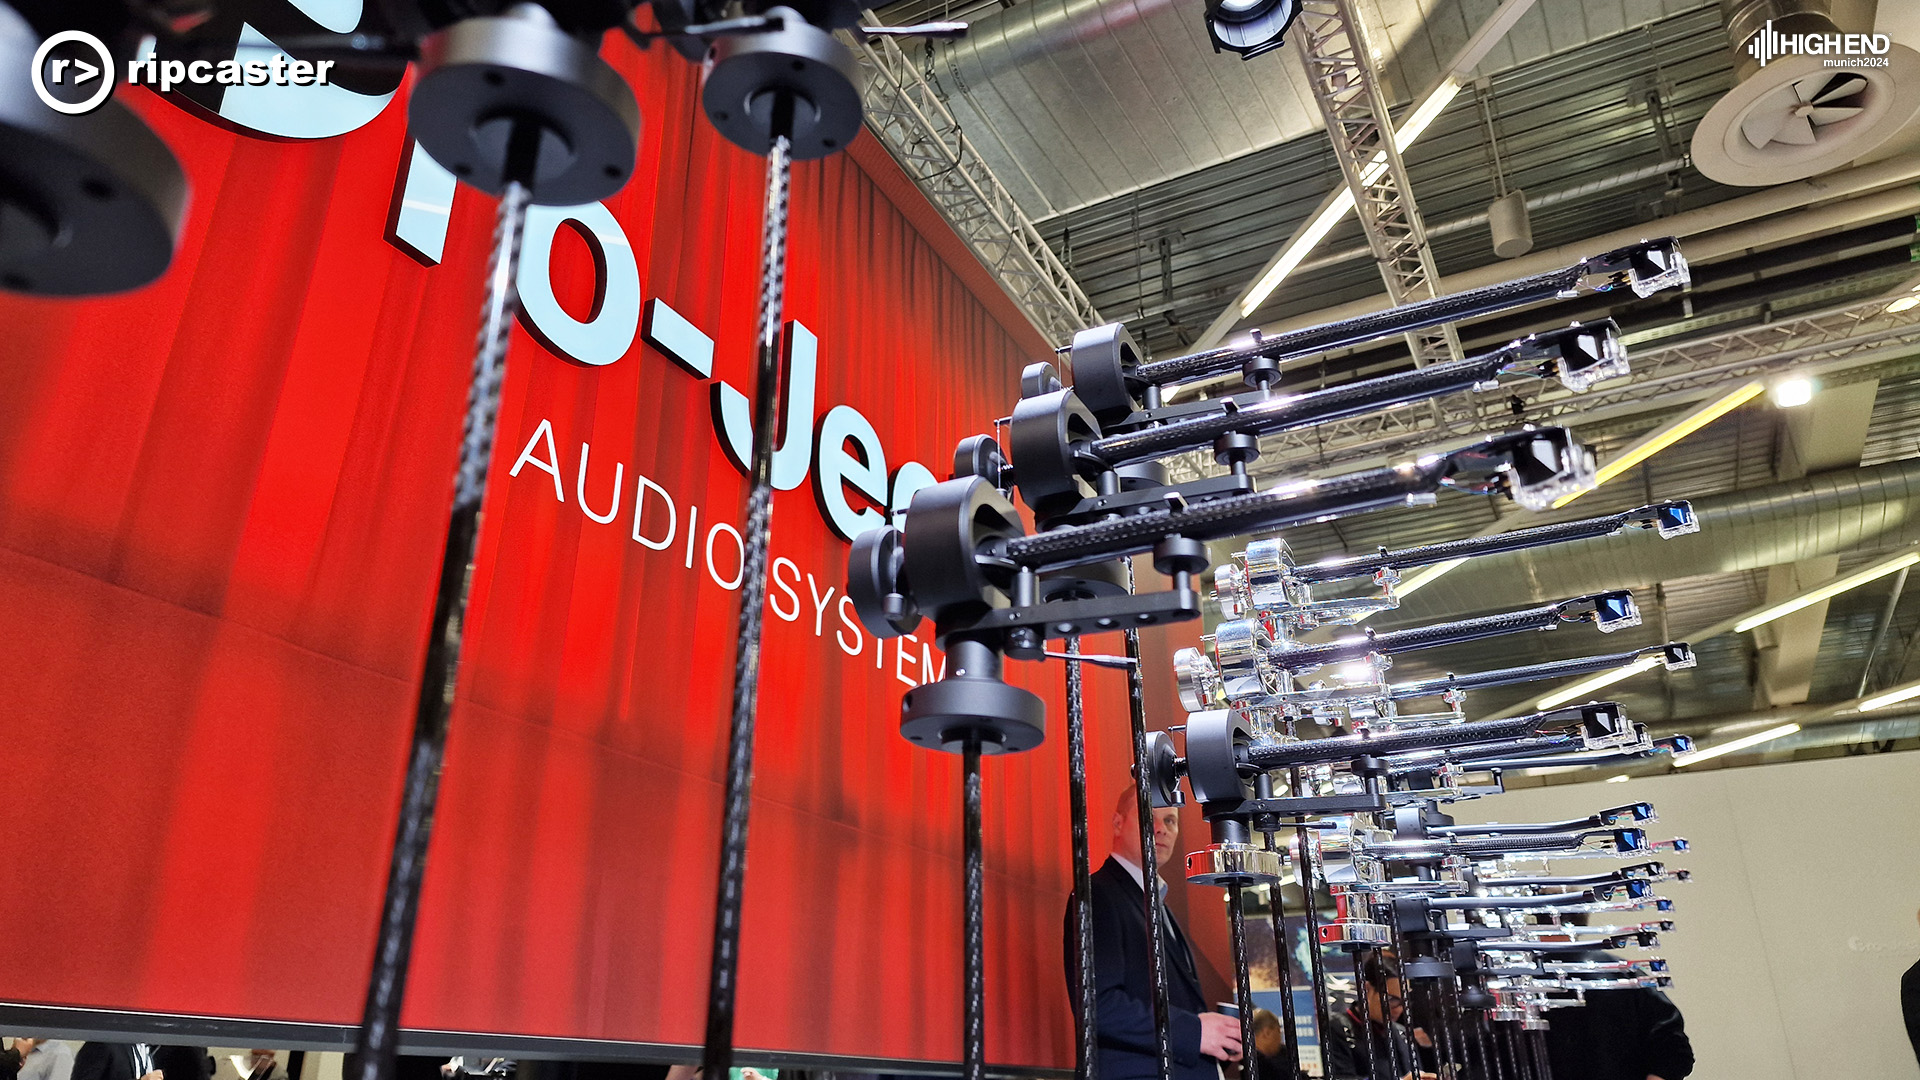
[{"x": 1840, "y": 50}]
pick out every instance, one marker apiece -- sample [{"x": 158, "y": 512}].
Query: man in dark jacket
[
  {"x": 1618, "y": 1035},
  {"x": 1124, "y": 1000}
]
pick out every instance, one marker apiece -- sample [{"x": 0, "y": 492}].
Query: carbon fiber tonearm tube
[
  {"x": 1346, "y": 747},
  {"x": 1574, "y": 722},
  {"x": 1494, "y": 847},
  {"x": 1280, "y": 414},
  {"x": 1427, "y": 760},
  {"x": 1610, "y": 611},
  {"x": 1670, "y": 518},
  {"x": 1608, "y": 817},
  {"x": 1534, "y": 467},
  {"x": 1562, "y": 761},
  {"x": 1677, "y": 655},
  {"x": 1647, "y": 267},
  {"x": 1279, "y": 508},
  {"x": 1548, "y": 902}
]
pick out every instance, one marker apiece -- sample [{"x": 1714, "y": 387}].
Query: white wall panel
[{"x": 1800, "y": 919}]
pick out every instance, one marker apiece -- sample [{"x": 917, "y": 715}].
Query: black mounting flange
[
  {"x": 972, "y": 704},
  {"x": 750, "y": 77},
  {"x": 90, "y": 203},
  {"x": 484, "y": 79}
]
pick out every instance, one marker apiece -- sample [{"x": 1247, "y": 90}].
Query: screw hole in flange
[
  {"x": 16, "y": 282},
  {"x": 494, "y": 78},
  {"x": 96, "y": 189}
]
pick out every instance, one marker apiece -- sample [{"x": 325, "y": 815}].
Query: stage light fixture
[
  {"x": 1249, "y": 27},
  {"x": 1793, "y": 393}
]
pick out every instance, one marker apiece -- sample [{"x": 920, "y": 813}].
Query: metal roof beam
[
  {"x": 1334, "y": 50},
  {"x": 1315, "y": 15}
]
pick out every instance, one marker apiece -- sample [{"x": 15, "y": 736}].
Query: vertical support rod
[
  {"x": 1455, "y": 1021},
  {"x": 1322, "y": 1016},
  {"x": 1242, "y": 985},
  {"x": 1084, "y": 1032},
  {"x": 973, "y": 935},
  {"x": 723, "y": 972},
  {"x": 1489, "y": 1060},
  {"x": 1503, "y": 1032},
  {"x": 1427, "y": 1017},
  {"x": 1283, "y": 961},
  {"x": 378, "y": 1042},
  {"x": 1380, "y": 1048},
  {"x": 1149, "y": 855}
]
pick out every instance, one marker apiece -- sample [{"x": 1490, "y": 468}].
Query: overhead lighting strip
[
  {"x": 1667, "y": 436},
  {"x": 1827, "y": 592},
  {"x": 1296, "y": 253},
  {"x": 1681, "y": 761}
]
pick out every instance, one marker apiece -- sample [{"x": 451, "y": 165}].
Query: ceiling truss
[{"x": 909, "y": 118}]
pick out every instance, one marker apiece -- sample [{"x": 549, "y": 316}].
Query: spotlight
[
  {"x": 1790, "y": 393},
  {"x": 1249, "y": 27}
]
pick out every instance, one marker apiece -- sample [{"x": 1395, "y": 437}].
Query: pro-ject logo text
[{"x": 1840, "y": 50}]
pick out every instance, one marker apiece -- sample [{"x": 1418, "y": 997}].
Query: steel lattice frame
[
  {"x": 1860, "y": 332},
  {"x": 911, "y": 121},
  {"x": 1333, "y": 49}
]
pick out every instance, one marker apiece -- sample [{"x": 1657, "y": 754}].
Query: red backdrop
[{"x": 221, "y": 507}]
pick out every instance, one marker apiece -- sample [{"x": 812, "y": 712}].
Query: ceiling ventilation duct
[{"x": 1790, "y": 115}]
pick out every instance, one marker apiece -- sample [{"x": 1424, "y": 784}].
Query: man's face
[
  {"x": 1166, "y": 832},
  {"x": 1393, "y": 1005}
]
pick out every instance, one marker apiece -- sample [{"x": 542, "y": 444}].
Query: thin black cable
[
  {"x": 723, "y": 973},
  {"x": 377, "y": 1043},
  {"x": 1242, "y": 984},
  {"x": 1085, "y": 1035},
  {"x": 973, "y": 935},
  {"x": 1149, "y": 853}
]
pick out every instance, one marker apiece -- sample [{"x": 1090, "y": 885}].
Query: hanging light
[
  {"x": 1793, "y": 393},
  {"x": 1249, "y": 27}
]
